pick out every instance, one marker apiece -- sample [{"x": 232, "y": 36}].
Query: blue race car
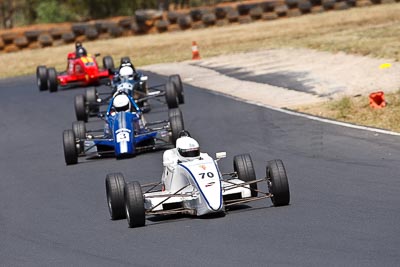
[
  {"x": 126, "y": 132},
  {"x": 135, "y": 83}
]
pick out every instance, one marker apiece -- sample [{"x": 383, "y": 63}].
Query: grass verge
[{"x": 357, "y": 110}]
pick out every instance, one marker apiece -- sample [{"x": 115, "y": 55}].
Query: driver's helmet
[
  {"x": 80, "y": 51},
  {"x": 121, "y": 103},
  {"x": 188, "y": 148},
  {"x": 126, "y": 72},
  {"x": 125, "y": 87},
  {"x": 125, "y": 60}
]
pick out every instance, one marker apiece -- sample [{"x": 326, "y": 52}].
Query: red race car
[{"x": 82, "y": 70}]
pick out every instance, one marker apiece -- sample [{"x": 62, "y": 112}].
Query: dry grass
[
  {"x": 357, "y": 110},
  {"x": 368, "y": 31}
]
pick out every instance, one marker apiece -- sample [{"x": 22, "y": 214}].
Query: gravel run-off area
[{"x": 287, "y": 77}]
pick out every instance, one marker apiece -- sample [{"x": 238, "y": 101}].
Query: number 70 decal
[{"x": 208, "y": 174}]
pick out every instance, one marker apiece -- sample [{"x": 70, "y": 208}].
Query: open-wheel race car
[
  {"x": 82, "y": 70},
  {"x": 135, "y": 84},
  {"x": 192, "y": 184},
  {"x": 126, "y": 132}
]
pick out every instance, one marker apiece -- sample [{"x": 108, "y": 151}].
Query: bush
[{"x": 49, "y": 11}]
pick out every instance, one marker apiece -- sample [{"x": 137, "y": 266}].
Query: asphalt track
[{"x": 344, "y": 185}]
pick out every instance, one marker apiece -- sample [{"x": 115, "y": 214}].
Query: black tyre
[
  {"x": 171, "y": 95},
  {"x": 243, "y": 166},
  {"x": 80, "y": 108},
  {"x": 70, "y": 151},
  {"x": 174, "y": 112},
  {"x": 176, "y": 124},
  {"x": 278, "y": 184},
  {"x": 41, "y": 77},
  {"x": 134, "y": 205},
  {"x": 176, "y": 80},
  {"x": 108, "y": 63},
  {"x": 79, "y": 129},
  {"x": 52, "y": 82},
  {"x": 91, "y": 96},
  {"x": 115, "y": 184}
]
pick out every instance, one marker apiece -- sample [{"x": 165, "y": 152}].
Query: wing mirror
[
  {"x": 97, "y": 54},
  {"x": 220, "y": 155},
  {"x": 143, "y": 78}
]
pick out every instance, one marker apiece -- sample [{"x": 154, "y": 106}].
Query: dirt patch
[{"x": 288, "y": 77}]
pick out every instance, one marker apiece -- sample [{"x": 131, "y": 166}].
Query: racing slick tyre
[
  {"x": 171, "y": 95},
  {"x": 52, "y": 83},
  {"x": 80, "y": 108},
  {"x": 91, "y": 96},
  {"x": 174, "y": 112},
  {"x": 108, "y": 63},
  {"x": 134, "y": 205},
  {"x": 278, "y": 184},
  {"x": 70, "y": 151},
  {"x": 243, "y": 166},
  {"x": 41, "y": 77},
  {"x": 79, "y": 129},
  {"x": 115, "y": 184},
  {"x": 176, "y": 80},
  {"x": 176, "y": 124}
]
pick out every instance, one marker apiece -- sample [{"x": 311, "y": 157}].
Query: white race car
[{"x": 192, "y": 183}]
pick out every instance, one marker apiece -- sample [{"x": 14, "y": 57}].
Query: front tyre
[
  {"x": 176, "y": 124},
  {"x": 170, "y": 95},
  {"x": 52, "y": 82},
  {"x": 115, "y": 184},
  {"x": 91, "y": 98},
  {"x": 79, "y": 129},
  {"x": 41, "y": 78},
  {"x": 108, "y": 63},
  {"x": 278, "y": 184},
  {"x": 70, "y": 150},
  {"x": 80, "y": 108},
  {"x": 176, "y": 80},
  {"x": 134, "y": 205},
  {"x": 243, "y": 166}
]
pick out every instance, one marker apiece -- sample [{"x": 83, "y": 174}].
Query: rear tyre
[
  {"x": 41, "y": 78},
  {"x": 176, "y": 80},
  {"x": 115, "y": 184},
  {"x": 52, "y": 82},
  {"x": 80, "y": 108},
  {"x": 91, "y": 96},
  {"x": 134, "y": 205},
  {"x": 70, "y": 151},
  {"x": 243, "y": 166},
  {"x": 108, "y": 63},
  {"x": 170, "y": 95},
  {"x": 79, "y": 129},
  {"x": 176, "y": 124},
  {"x": 278, "y": 184}
]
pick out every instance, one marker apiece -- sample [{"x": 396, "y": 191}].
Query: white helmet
[
  {"x": 126, "y": 72},
  {"x": 187, "y": 148},
  {"x": 121, "y": 103}
]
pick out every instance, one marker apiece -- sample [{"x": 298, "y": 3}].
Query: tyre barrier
[
  {"x": 162, "y": 25},
  {"x": 155, "y": 21},
  {"x": 45, "y": 39}
]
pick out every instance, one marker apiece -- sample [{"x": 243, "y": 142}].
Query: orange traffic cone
[
  {"x": 377, "y": 99},
  {"x": 195, "y": 51}
]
